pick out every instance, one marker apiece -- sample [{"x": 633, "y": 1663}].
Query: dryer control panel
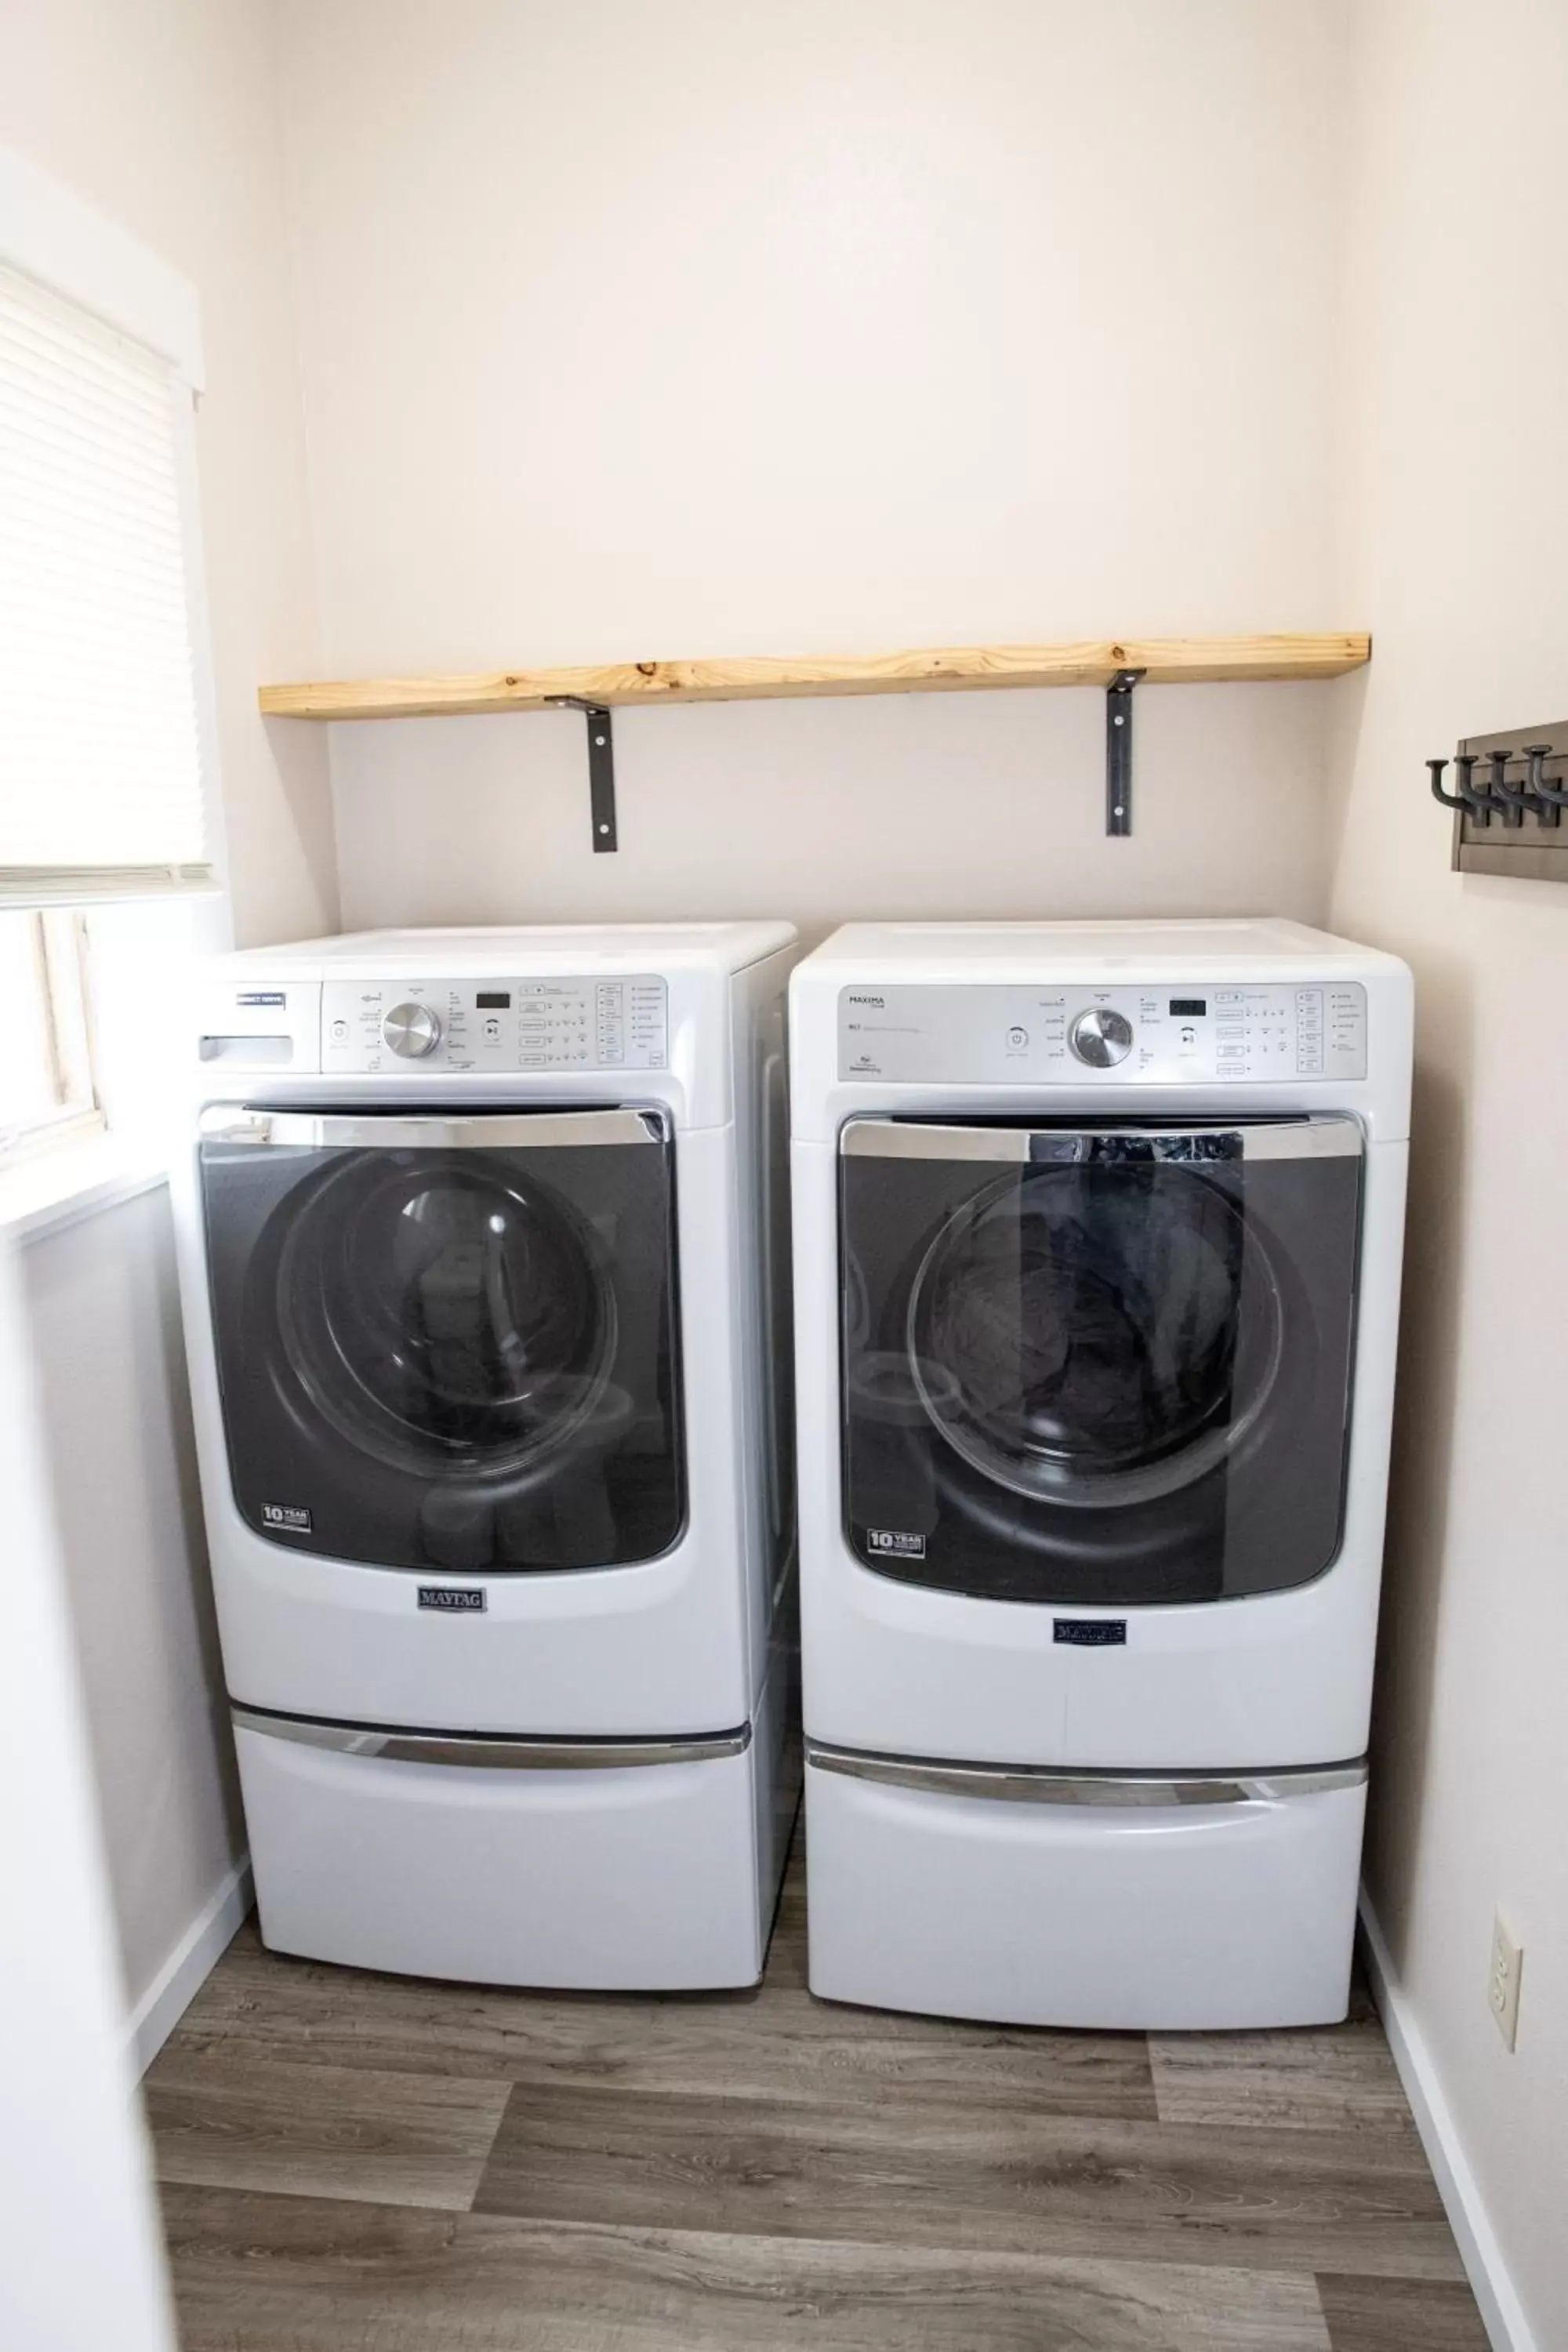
[
  {"x": 1166, "y": 1033},
  {"x": 592, "y": 1024}
]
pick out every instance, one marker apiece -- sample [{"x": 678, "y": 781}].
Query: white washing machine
[
  {"x": 485, "y": 1255},
  {"x": 1098, "y": 1235}
]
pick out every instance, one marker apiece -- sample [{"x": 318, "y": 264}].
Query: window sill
[{"x": 58, "y": 1188}]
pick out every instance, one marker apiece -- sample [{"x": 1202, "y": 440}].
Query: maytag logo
[
  {"x": 1092, "y": 1632},
  {"x": 895, "y": 1541},
  {"x": 874, "y": 1003},
  {"x": 455, "y": 1600}
]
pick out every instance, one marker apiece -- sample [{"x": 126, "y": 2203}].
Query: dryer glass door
[
  {"x": 1105, "y": 1365},
  {"x": 448, "y": 1341}
]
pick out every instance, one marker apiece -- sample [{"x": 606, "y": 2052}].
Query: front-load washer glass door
[
  {"x": 1104, "y": 1364},
  {"x": 448, "y": 1341}
]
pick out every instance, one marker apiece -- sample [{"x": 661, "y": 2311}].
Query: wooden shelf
[{"x": 1165, "y": 661}]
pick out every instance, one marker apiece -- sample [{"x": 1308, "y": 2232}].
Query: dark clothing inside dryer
[
  {"x": 468, "y": 1307},
  {"x": 1089, "y": 1330},
  {"x": 451, "y": 1359},
  {"x": 1090, "y": 1380}
]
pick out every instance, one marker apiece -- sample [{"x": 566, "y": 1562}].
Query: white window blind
[{"x": 101, "y": 783}]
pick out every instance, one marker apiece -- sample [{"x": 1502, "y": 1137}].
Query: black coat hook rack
[{"x": 1507, "y": 818}]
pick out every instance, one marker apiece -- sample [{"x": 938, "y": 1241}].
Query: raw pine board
[{"x": 1165, "y": 661}]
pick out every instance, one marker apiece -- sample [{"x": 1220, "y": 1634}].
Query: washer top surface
[
  {"x": 1254, "y": 945},
  {"x": 541, "y": 949}
]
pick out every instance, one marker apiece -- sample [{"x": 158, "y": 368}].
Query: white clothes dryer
[
  {"x": 1097, "y": 1238},
  {"x": 484, "y": 1243}
]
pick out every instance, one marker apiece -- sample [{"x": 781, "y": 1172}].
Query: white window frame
[
  {"x": 63, "y": 1003},
  {"x": 50, "y": 236}
]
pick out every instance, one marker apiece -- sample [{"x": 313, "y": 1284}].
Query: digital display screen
[
  {"x": 494, "y": 1000},
  {"x": 1189, "y": 1008}
]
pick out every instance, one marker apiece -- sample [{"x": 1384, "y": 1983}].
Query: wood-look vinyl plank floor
[
  {"x": 283, "y": 2275},
  {"x": 775, "y": 2044},
  {"x": 326, "y": 2131},
  {"x": 1367, "y": 2315},
  {"x": 952, "y": 2177},
  {"x": 757, "y": 2170},
  {"x": 1330, "y": 2078}
]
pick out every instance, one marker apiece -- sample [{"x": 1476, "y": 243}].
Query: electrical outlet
[{"x": 1502, "y": 1983}]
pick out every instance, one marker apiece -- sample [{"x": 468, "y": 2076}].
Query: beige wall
[
  {"x": 163, "y": 114},
  {"x": 940, "y": 805},
  {"x": 102, "y": 1315},
  {"x": 69, "y": 2126},
  {"x": 752, "y": 330},
  {"x": 1456, "y": 508}
]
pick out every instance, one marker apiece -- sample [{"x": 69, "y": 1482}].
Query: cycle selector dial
[
  {"x": 1101, "y": 1037},
  {"x": 412, "y": 1030}
]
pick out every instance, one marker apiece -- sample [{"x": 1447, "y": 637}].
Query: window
[
  {"x": 47, "y": 1092},
  {"x": 104, "y": 723},
  {"x": 101, "y": 787}
]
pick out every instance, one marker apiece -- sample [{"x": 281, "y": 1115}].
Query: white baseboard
[
  {"x": 187, "y": 1967},
  {"x": 1502, "y": 2314}
]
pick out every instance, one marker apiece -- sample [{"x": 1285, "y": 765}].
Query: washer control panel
[
  {"x": 592, "y": 1024},
  {"x": 1175, "y": 1033}
]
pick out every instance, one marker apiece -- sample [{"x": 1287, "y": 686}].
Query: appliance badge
[
  {"x": 454, "y": 1598},
  {"x": 1092, "y": 1632},
  {"x": 287, "y": 1519},
  {"x": 894, "y": 1540},
  {"x": 262, "y": 996}
]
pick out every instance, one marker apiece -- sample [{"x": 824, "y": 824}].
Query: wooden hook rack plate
[{"x": 1513, "y": 818}]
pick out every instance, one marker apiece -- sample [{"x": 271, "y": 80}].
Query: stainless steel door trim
[
  {"x": 491, "y": 1752},
  {"x": 404, "y": 1130},
  {"x": 1325, "y": 1135},
  {"x": 1043, "y": 1785},
  {"x": 886, "y": 1139}
]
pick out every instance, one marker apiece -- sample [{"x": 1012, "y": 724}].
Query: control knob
[
  {"x": 1101, "y": 1037},
  {"x": 412, "y": 1030}
]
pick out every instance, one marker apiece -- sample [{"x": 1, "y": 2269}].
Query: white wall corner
[
  {"x": 188, "y": 1965},
  {"x": 1502, "y": 2314}
]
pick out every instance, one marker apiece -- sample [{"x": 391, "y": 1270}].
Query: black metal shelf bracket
[
  {"x": 1119, "y": 750},
  {"x": 601, "y": 766}
]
